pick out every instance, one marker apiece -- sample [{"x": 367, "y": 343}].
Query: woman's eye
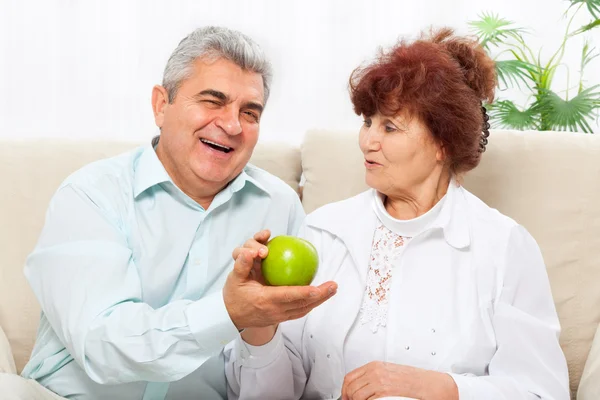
[
  {"x": 389, "y": 128},
  {"x": 367, "y": 122}
]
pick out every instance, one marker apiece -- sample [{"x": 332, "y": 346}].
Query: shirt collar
[
  {"x": 453, "y": 217},
  {"x": 406, "y": 228},
  {"x": 150, "y": 171},
  {"x": 449, "y": 214},
  {"x": 240, "y": 181},
  {"x": 343, "y": 220},
  {"x": 236, "y": 185}
]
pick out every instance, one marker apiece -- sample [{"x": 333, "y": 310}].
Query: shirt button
[
  {"x": 311, "y": 336},
  {"x": 197, "y": 262},
  {"x": 407, "y": 348},
  {"x": 328, "y": 355},
  {"x": 432, "y": 330},
  {"x": 433, "y": 353}
]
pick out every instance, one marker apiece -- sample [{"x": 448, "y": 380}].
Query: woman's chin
[{"x": 374, "y": 183}]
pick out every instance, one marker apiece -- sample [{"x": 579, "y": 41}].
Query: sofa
[{"x": 547, "y": 181}]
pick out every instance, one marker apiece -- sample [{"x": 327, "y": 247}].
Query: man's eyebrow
[
  {"x": 254, "y": 106},
  {"x": 214, "y": 93}
]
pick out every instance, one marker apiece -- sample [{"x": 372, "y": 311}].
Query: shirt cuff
[
  {"x": 259, "y": 356},
  {"x": 464, "y": 385},
  {"x": 210, "y": 323}
]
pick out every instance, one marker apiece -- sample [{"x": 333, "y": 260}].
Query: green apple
[{"x": 292, "y": 261}]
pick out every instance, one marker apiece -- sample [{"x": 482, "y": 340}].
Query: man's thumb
[{"x": 242, "y": 265}]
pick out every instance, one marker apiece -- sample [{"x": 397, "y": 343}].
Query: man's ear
[{"x": 160, "y": 99}]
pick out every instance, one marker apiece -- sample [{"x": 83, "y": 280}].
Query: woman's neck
[{"x": 416, "y": 201}]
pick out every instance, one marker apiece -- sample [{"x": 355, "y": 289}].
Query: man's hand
[
  {"x": 381, "y": 379},
  {"x": 252, "y": 304}
]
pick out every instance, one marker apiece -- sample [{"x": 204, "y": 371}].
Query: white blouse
[
  {"x": 469, "y": 296},
  {"x": 389, "y": 239}
]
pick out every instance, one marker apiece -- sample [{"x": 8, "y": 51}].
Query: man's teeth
[{"x": 225, "y": 148}]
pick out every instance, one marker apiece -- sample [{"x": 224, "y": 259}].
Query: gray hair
[{"x": 211, "y": 43}]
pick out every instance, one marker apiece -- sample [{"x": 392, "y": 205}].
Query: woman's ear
[{"x": 440, "y": 154}]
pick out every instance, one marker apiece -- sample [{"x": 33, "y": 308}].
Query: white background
[{"x": 85, "y": 69}]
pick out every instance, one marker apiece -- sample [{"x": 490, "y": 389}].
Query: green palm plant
[{"x": 518, "y": 66}]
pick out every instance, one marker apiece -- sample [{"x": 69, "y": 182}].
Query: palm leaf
[
  {"x": 573, "y": 114},
  {"x": 505, "y": 114},
  {"x": 593, "y": 6},
  {"x": 493, "y": 30},
  {"x": 512, "y": 72},
  {"x": 587, "y": 55},
  {"x": 587, "y": 27},
  {"x": 546, "y": 77}
]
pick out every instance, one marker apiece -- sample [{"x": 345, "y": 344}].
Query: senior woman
[{"x": 439, "y": 296}]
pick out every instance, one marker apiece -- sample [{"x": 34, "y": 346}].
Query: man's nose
[{"x": 229, "y": 122}]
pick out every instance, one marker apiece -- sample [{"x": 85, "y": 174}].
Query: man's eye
[{"x": 252, "y": 116}]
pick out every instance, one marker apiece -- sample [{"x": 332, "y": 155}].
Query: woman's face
[{"x": 400, "y": 153}]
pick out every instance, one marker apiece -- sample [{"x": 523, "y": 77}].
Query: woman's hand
[{"x": 380, "y": 379}]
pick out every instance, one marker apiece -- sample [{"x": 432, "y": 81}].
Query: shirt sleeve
[
  {"x": 85, "y": 279},
  {"x": 296, "y": 218},
  {"x": 529, "y": 362}
]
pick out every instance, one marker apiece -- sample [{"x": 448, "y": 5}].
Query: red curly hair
[{"x": 442, "y": 79}]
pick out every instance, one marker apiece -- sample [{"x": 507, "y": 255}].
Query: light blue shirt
[{"x": 129, "y": 273}]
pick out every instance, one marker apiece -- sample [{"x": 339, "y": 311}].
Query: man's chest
[{"x": 187, "y": 254}]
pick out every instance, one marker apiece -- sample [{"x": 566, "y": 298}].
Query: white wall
[{"x": 85, "y": 69}]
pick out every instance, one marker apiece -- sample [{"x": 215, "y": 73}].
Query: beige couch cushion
[
  {"x": 333, "y": 169},
  {"x": 549, "y": 182},
  {"x": 14, "y": 387},
  {"x": 7, "y": 361},
  {"x": 281, "y": 160},
  {"x": 30, "y": 172}
]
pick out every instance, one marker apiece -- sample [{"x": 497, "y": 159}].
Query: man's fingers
[
  {"x": 260, "y": 248},
  {"x": 243, "y": 263},
  {"x": 263, "y": 236},
  {"x": 257, "y": 272},
  {"x": 309, "y": 294},
  {"x": 236, "y": 253},
  {"x": 298, "y": 294},
  {"x": 305, "y": 309}
]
